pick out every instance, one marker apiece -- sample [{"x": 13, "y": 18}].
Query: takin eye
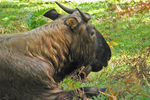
[
  {"x": 92, "y": 33},
  {"x": 91, "y": 30}
]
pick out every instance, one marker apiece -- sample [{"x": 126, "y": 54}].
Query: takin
[{"x": 34, "y": 62}]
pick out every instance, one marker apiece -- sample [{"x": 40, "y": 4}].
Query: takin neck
[{"x": 50, "y": 43}]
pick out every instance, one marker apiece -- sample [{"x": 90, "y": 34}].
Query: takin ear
[
  {"x": 72, "y": 23},
  {"x": 52, "y": 14}
]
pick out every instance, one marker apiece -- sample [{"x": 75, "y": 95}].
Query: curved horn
[
  {"x": 68, "y": 10},
  {"x": 85, "y": 17}
]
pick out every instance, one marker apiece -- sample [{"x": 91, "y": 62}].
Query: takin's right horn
[{"x": 86, "y": 17}]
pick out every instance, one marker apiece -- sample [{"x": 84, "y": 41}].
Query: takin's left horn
[{"x": 68, "y": 10}]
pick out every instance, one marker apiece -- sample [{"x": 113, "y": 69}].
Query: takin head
[{"x": 102, "y": 50}]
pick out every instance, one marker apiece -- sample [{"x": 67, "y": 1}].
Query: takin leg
[{"x": 81, "y": 93}]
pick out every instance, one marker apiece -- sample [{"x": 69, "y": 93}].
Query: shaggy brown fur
[{"x": 33, "y": 62}]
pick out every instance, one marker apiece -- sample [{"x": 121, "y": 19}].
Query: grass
[{"x": 128, "y": 35}]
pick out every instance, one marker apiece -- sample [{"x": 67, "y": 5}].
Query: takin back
[{"x": 34, "y": 62}]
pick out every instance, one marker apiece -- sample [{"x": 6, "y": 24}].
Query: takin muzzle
[{"x": 33, "y": 62}]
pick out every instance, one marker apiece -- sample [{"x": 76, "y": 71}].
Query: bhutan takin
[{"x": 33, "y": 62}]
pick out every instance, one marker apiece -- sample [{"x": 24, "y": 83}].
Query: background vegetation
[{"x": 125, "y": 26}]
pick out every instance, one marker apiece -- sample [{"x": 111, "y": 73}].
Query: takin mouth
[{"x": 98, "y": 65}]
